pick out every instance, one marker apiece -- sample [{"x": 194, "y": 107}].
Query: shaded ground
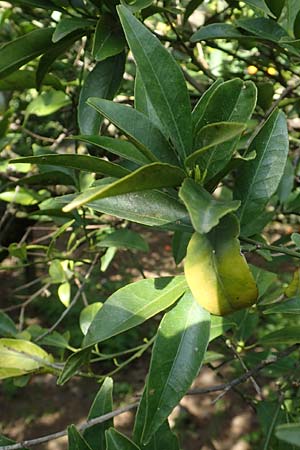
[{"x": 42, "y": 407}]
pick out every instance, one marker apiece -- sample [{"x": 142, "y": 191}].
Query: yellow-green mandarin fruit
[{"x": 216, "y": 271}]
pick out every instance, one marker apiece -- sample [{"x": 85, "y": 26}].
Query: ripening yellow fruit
[
  {"x": 252, "y": 70},
  {"x": 216, "y": 271},
  {"x": 272, "y": 71}
]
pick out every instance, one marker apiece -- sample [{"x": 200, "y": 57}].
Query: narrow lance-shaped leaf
[
  {"x": 108, "y": 39},
  {"x": 76, "y": 441},
  {"x": 205, "y": 211},
  {"x": 162, "y": 78},
  {"x": 103, "y": 81},
  {"x": 263, "y": 28},
  {"x": 258, "y": 179},
  {"x": 102, "y": 404},
  {"x": 152, "y": 176},
  {"x": 117, "y": 441},
  {"x": 177, "y": 355},
  {"x": 200, "y": 107},
  {"x": 217, "y": 31},
  {"x": 18, "y": 52},
  {"x": 81, "y": 162},
  {"x": 132, "y": 305},
  {"x": 68, "y": 25},
  {"x": 216, "y": 271},
  {"x": 143, "y": 133},
  {"x": 289, "y": 432}
]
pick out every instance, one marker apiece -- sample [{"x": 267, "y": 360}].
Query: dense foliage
[{"x": 180, "y": 116}]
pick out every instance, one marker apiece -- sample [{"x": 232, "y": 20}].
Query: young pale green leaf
[
  {"x": 200, "y": 107},
  {"x": 212, "y": 135},
  {"x": 217, "y": 31},
  {"x": 19, "y": 357},
  {"x": 232, "y": 101},
  {"x": 216, "y": 271},
  {"x": 288, "y": 336},
  {"x": 219, "y": 325},
  {"x": 117, "y": 441},
  {"x": 205, "y": 211},
  {"x": 177, "y": 355},
  {"x": 76, "y": 441},
  {"x": 46, "y": 103},
  {"x": 122, "y": 148},
  {"x": 103, "y": 81},
  {"x": 263, "y": 28},
  {"x": 260, "y": 5},
  {"x": 87, "y": 316},
  {"x": 258, "y": 179},
  {"x": 152, "y": 176},
  {"x": 124, "y": 238},
  {"x": 289, "y": 306},
  {"x": 289, "y": 433},
  {"x": 162, "y": 78},
  {"x": 132, "y": 305},
  {"x": 67, "y": 26},
  {"x": 102, "y": 404},
  {"x": 108, "y": 39},
  {"x": 18, "y": 52},
  {"x": 82, "y": 162},
  {"x": 139, "y": 129}
]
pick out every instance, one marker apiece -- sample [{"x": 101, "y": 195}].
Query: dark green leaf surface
[
  {"x": 7, "y": 326},
  {"x": 289, "y": 306},
  {"x": 72, "y": 364},
  {"x": 288, "y": 336},
  {"x": 260, "y": 5},
  {"x": 258, "y": 179},
  {"x": 76, "y": 441},
  {"x": 117, "y": 441},
  {"x": 102, "y": 404},
  {"x": 67, "y": 26},
  {"x": 152, "y": 176},
  {"x": 119, "y": 147},
  {"x": 124, "y": 238},
  {"x": 145, "y": 135},
  {"x": 162, "y": 78},
  {"x": 263, "y": 28},
  {"x": 109, "y": 38},
  {"x": 205, "y": 211},
  {"x": 25, "y": 79},
  {"x": 18, "y": 52},
  {"x": 217, "y": 31},
  {"x": 200, "y": 108},
  {"x": 132, "y": 305},
  {"x": 289, "y": 432},
  {"x": 81, "y": 162},
  {"x": 176, "y": 359},
  {"x": 103, "y": 81}
]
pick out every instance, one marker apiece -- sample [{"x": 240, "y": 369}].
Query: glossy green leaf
[
  {"x": 75, "y": 440},
  {"x": 162, "y": 439},
  {"x": 87, "y": 315},
  {"x": 260, "y": 5},
  {"x": 232, "y": 101},
  {"x": 103, "y": 81},
  {"x": 289, "y": 432},
  {"x": 297, "y": 26},
  {"x": 118, "y": 147},
  {"x": 117, "y": 441},
  {"x": 161, "y": 77},
  {"x": 54, "y": 51},
  {"x": 190, "y": 8},
  {"x": 216, "y": 271},
  {"x": 276, "y": 6},
  {"x": 177, "y": 355},
  {"x": 55, "y": 339},
  {"x": 200, "y": 107},
  {"x": 132, "y": 305},
  {"x": 179, "y": 245},
  {"x": 205, "y": 211},
  {"x": 19, "y": 357},
  {"x": 7, "y": 326},
  {"x": 124, "y": 238},
  {"x": 18, "y": 52},
  {"x": 258, "y": 179},
  {"x": 25, "y": 79},
  {"x": 139, "y": 129},
  {"x": 64, "y": 293},
  {"x": 46, "y": 103},
  {"x": 152, "y": 176},
  {"x": 109, "y": 39},
  {"x": 219, "y": 325},
  {"x": 212, "y": 135},
  {"x": 72, "y": 365},
  {"x": 217, "y": 31},
  {"x": 265, "y": 94},
  {"x": 48, "y": 178},
  {"x": 68, "y": 25},
  {"x": 102, "y": 404},
  {"x": 292, "y": 9},
  {"x": 288, "y": 306},
  {"x": 286, "y": 184},
  {"x": 288, "y": 336},
  {"x": 23, "y": 196},
  {"x": 263, "y": 28},
  {"x": 81, "y": 162}
]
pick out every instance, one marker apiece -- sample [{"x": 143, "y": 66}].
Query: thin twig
[
  {"x": 29, "y": 300},
  {"x": 272, "y": 248},
  {"x": 77, "y": 295}
]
